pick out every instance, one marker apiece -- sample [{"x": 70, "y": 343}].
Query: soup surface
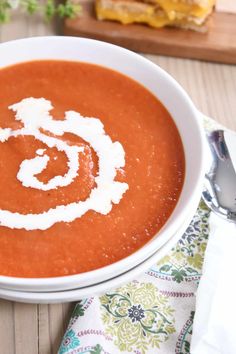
[{"x": 153, "y": 170}]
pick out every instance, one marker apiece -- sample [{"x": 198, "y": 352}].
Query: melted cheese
[
  {"x": 163, "y": 13},
  {"x": 198, "y": 9}
]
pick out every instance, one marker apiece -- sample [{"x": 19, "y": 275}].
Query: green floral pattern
[
  {"x": 137, "y": 316},
  {"x": 70, "y": 341},
  {"x": 96, "y": 350},
  {"x": 184, "y": 262},
  {"x": 183, "y": 342},
  {"x": 150, "y": 316},
  {"x": 79, "y": 310}
]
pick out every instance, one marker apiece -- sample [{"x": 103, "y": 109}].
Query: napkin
[
  {"x": 214, "y": 326},
  {"x": 155, "y": 312},
  {"x": 151, "y": 314}
]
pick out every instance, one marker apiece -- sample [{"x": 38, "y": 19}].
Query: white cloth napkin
[{"x": 214, "y": 327}]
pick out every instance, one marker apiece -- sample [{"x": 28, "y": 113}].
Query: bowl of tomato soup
[{"x": 101, "y": 161}]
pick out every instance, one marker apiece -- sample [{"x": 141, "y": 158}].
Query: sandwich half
[{"x": 156, "y": 13}]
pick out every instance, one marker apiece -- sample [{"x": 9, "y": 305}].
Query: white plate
[{"x": 97, "y": 289}]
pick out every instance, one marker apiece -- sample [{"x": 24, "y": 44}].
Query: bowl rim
[{"x": 151, "y": 246}]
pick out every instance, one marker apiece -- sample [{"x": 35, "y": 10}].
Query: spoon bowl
[{"x": 219, "y": 191}]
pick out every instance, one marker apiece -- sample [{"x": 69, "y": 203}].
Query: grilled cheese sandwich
[{"x": 156, "y": 13}]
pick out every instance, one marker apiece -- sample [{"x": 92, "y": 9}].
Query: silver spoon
[{"x": 219, "y": 191}]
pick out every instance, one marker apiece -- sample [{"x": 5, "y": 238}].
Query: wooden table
[{"x": 38, "y": 329}]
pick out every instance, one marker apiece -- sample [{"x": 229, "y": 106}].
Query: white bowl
[
  {"x": 174, "y": 98},
  {"x": 95, "y": 289}
]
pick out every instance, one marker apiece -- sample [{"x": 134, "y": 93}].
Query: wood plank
[
  {"x": 16, "y": 28},
  {"x": 22, "y": 25},
  {"x": 218, "y": 44},
  {"x": 25, "y": 328},
  {"x": 45, "y": 340},
  {"x": 67, "y": 310},
  {"x": 56, "y": 326},
  {"x": 53, "y": 321},
  {"x": 58, "y": 316},
  {"x": 211, "y": 86},
  {"x": 7, "y": 332}
]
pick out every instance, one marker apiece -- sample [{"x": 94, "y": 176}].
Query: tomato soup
[{"x": 38, "y": 239}]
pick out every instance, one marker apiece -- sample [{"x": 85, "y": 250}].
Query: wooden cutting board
[{"x": 218, "y": 44}]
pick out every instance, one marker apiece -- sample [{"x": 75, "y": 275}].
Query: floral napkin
[{"x": 152, "y": 314}]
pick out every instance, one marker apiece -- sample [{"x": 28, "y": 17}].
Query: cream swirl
[{"x": 35, "y": 116}]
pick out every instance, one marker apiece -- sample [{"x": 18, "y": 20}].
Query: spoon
[
  {"x": 215, "y": 297},
  {"x": 219, "y": 191}
]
